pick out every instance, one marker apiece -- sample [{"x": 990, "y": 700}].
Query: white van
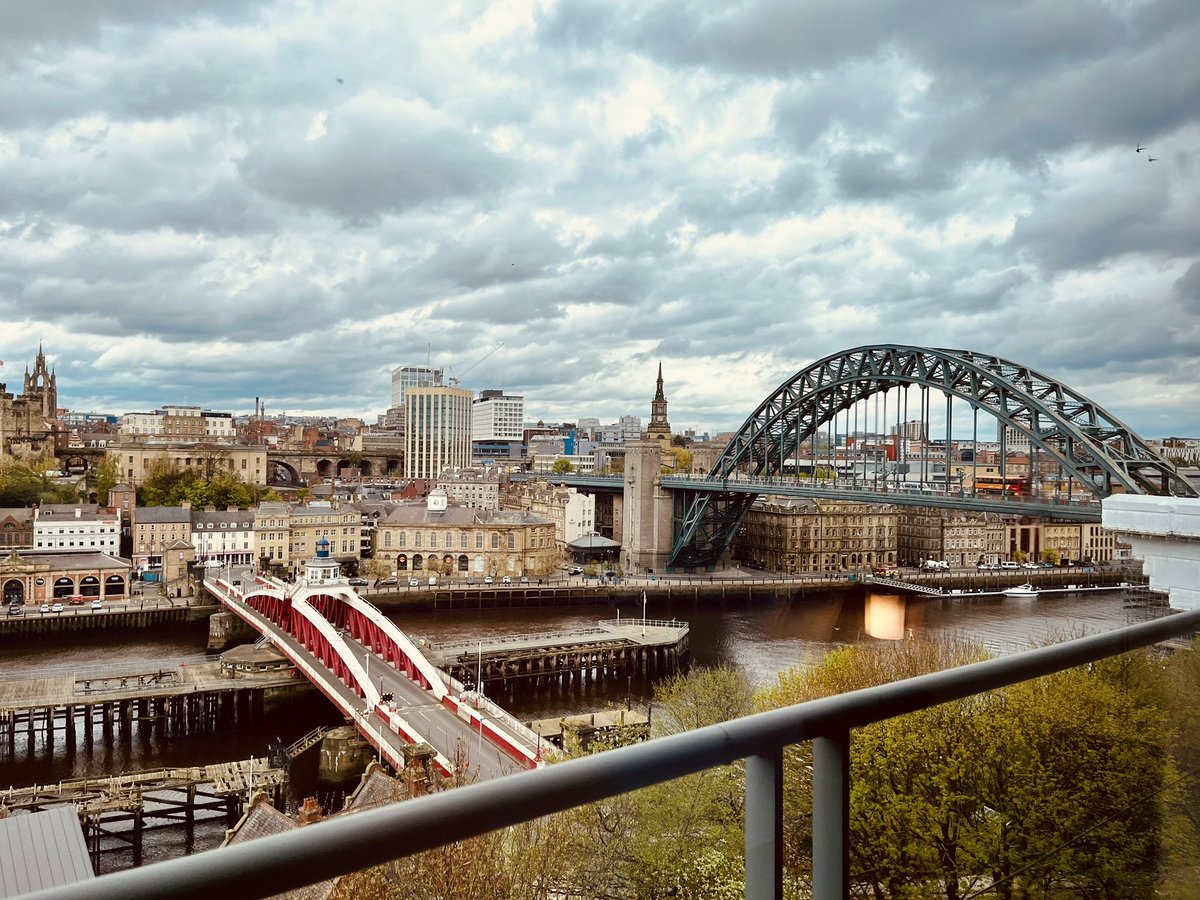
[
  {"x": 213, "y": 564},
  {"x": 432, "y": 580},
  {"x": 1009, "y": 564}
]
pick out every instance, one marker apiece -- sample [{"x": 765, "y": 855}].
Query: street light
[{"x": 643, "y": 613}]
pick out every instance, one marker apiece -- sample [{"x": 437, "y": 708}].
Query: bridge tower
[{"x": 647, "y": 536}]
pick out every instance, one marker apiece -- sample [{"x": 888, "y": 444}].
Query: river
[{"x": 762, "y": 639}]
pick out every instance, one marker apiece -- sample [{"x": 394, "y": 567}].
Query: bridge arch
[{"x": 1091, "y": 446}]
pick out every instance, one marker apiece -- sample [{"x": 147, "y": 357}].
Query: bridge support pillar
[{"x": 647, "y": 535}]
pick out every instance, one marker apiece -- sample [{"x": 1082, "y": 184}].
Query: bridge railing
[{"x": 278, "y": 863}]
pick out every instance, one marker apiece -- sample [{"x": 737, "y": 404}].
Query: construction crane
[{"x": 454, "y": 380}]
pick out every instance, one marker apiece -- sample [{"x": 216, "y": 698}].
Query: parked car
[
  {"x": 57, "y": 607},
  {"x": 75, "y": 601},
  {"x": 506, "y": 580},
  {"x": 358, "y": 582},
  {"x": 99, "y": 604},
  {"x": 46, "y": 607},
  {"x": 487, "y": 579},
  {"x": 391, "y": 579},
  {"x": 524, "y": 579},
  {"x": 412, "y": 582},
  {"x": 575, "y": 570},
  {"x": 14, "y": 610},
  {"x": 1009, "y": 564},
  {"x": 213, "y": 564},
  {"x": 432, "y": 580}
]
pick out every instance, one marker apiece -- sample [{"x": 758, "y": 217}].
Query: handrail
[{"x": 278, "y": 863}]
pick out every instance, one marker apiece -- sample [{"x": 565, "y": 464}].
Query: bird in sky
[
  {"x": 339, "y": 81},
  {"x": 1151, "y": 159},
  {"x": 1140, "y": 148}
]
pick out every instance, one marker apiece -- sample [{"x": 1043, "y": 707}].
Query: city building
[
  {"x": 573, "y": 513},
  {"x": 224, "y": 535},
  {"x": 497, "y": 426},
  {"x": 405, "y": 377},
  {"x": 246, "y": 462},
  {"x": 153, "y": 530},
  {"x": 177, "y": 422},
  {"x": 473, "y": 487},
  {"x": 794, "y": 536},
  {"x": 438, "y": 430},
  {"x": 36, "y": 578},
  {"x": 434, "y": 538},
  {"x": 16, "y": 529},
  {"x": 76, "y": 528},
  {"x": 286, "y": 535}
]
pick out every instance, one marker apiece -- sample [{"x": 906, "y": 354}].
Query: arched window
[
  {"x": 462, "y": 563},
  {"x": 114, "y": 586},
  {"x": 63, "y": 587},
  {"x": 402, "y": 562},
  {"x": 418, "y": 562},
  {"x": 90, "y": 586}
]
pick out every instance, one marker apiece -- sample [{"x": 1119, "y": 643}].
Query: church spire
[{"x": 660, "y": 428}]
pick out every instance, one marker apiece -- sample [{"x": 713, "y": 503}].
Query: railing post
[
  {"x": 764, "y": 826},
  {"x": 831, "y": 817}
]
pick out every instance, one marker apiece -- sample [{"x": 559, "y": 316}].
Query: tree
[
  {"x": 1047, "y": 785},
  {"x": 107, "y": 477},
  {"x": 562, "y": 467}
]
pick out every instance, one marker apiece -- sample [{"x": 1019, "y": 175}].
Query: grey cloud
[{"x": 374, "y": 164}]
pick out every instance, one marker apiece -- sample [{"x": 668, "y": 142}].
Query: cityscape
[{"x": 626, "y": 450}]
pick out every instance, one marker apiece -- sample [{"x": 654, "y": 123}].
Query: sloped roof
[
  {"x": 593, "y": 541},
  {"x": 42, "y": 850}
]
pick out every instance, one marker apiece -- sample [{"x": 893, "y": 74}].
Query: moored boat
[{"x": 1021, "y": 590}]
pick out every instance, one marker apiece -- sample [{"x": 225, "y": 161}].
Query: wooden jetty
[
  {"x": 624, "y": 648},
  {"x": 196, "y": 698},
  {"x": 115, "y": 811},
  {"x": 630, "y": 723}
]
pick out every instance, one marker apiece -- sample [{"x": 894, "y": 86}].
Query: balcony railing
[{"x": 307, "y": 855}]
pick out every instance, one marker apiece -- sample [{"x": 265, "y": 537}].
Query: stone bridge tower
[{"x": 647, "y": 532}]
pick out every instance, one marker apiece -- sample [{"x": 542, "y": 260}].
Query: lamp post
[
  {"x": 479, "y": 676},
  {"x": 643, "y": 613},
  {"x": 367, "y": 673}
]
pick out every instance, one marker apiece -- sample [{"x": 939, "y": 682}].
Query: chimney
[
  {"x": 309, "y": 812},
  {"x": 78, "y": 513}
]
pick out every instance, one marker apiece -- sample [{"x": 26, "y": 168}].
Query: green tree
[
  {"x": 562, "y": 467},
  {"x": 107, "y": 477}
]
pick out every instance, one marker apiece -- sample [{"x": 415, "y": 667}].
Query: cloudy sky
[{"x": 209, "y": 202}]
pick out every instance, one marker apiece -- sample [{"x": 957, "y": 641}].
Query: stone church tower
[
  {"x": 41, "y": 389},
  {"x": 660, "y": 428},
  {"x": 28, "y": 422}
]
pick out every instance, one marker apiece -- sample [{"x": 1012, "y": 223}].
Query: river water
[{"x": 760, "y": 638}]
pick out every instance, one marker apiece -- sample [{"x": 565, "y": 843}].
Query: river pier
[
  {"x": 116, "y": 811},
  {"x": 614, "y": 648},
  {"x": 198, "y": 697}
]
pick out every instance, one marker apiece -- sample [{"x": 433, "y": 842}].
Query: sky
[{"x": 208, "y": 202}]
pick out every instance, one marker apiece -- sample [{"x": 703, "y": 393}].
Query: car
[
  {"x": 432, "y": 580},
  {"x": 412, "y": 582},
  {"x": 1030, "y": 565},
  {"x": 575, "y": 570},
  {"x": 99, "y": 604},
  {"x": 57, "y": 607},
  {"x": 524, "y": 579},
  {"x": 506, "y": 580},
  {"x": 213, "y": 564},
  {"x": 75, "y": 601},
  {"x": 14, "y": 610},
  {"x": 358, "y": 582},
  {"x": 487, "y": 579},
  {"x": 1009, "y": 564},
  {"x": 45, "y": 608},
  {"x": 391, "y": 579}
]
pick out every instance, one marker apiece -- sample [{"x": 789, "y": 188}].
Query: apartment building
[
  {"x": 87, "y": 527},
  {"x": 794, "y": 536}
]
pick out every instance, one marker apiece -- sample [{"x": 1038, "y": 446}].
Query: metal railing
[{"x": 274, "y": 864}]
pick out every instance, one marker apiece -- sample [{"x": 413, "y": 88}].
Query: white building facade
[
  {"x": 438, "y": 433},
  {"x": 87, "y": 528},
  {"x": 496, "y": 416}
]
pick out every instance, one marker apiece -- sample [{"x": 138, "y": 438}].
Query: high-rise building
[
  {"x": 438, "y": 430},
  {"x": 496, "y": 416},
  {"x": 405, "y": 377}
]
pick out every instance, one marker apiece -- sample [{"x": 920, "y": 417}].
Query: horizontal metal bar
[{"x": 271, "y": 865}]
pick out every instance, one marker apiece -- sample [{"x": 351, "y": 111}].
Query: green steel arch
[{"x": 1092, "y": 446}]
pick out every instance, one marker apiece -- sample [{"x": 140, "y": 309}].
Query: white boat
[{"x": 1021, "y": 590}]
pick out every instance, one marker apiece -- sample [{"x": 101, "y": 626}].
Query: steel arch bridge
[{"x": 1092, "y": 447}]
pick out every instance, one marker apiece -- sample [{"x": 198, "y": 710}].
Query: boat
[{"x": 1021, "y": 590}]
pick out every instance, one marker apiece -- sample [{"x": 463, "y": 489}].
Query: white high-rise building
[
  {"x": 496, "y": 416},
  {"x": 438, "y": 432},
  {"x": 405, "y": 377}
]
